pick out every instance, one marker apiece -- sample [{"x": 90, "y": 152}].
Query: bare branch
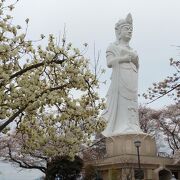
[
  {"x": 23, "y": 164},
  {"x": 164, "y": 94}
]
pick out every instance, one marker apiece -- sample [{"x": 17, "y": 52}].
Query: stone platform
[
  {"x": 121, "y": 161},
  {"x": 124, "y": 144}
]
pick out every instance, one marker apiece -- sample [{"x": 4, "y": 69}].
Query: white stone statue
[{"x": 121, "y": 112}]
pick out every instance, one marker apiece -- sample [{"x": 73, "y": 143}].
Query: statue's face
[{"x": 126, "y": 32}]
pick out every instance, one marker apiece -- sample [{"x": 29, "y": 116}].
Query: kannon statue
[{"x": 121, "y": 112}]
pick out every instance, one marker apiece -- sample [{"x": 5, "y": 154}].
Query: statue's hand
[
  {"x": 125, "y": 58},
  {"x": 134, "y": 60},
  {"x": 134, "y": 56}
]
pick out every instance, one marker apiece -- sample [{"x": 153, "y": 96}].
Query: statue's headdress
[{"x": 123, "y": 22}]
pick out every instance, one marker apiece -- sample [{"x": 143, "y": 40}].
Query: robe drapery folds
[{"x": 121, "y": 111}]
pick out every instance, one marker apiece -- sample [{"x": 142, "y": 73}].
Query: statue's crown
[{"x": 128, "y": 20}]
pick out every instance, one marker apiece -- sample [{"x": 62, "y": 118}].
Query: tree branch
[
  {"x": 34, "y": 66},
  {"x": 24, "y": 164},
  {"x": 12, "y": 118},
  {"x": 164, "y": 93},
  {"x": 23, "y": 108}
]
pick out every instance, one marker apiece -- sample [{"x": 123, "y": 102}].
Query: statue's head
[{"x": 123, "y": 28}]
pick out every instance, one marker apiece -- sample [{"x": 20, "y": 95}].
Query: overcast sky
[{"x": 156, "y": 28}]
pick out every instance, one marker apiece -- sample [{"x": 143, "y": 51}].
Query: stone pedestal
[
  {"x": 124, "y": 144},
  {"x": 121, "y": 159}
]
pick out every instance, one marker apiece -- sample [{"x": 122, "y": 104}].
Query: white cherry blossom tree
[{"x": 48, "y": 95}]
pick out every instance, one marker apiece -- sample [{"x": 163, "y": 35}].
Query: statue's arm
[
  {"x": 113, "y": 60},
  {"x": 135, "y": 60}
]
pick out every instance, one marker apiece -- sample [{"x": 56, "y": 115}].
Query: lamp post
[
  {"x": 138, "y": 144},
  {"x": 139, "y": 174}
]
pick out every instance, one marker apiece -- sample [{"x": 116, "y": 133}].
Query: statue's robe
[{"x": 121, "y": 111}]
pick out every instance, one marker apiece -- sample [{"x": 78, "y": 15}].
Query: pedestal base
[
  {"x": 123, "y": 167},
  {"x": 124, "y": 144},
  {"x": 121, "y": 161}
]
